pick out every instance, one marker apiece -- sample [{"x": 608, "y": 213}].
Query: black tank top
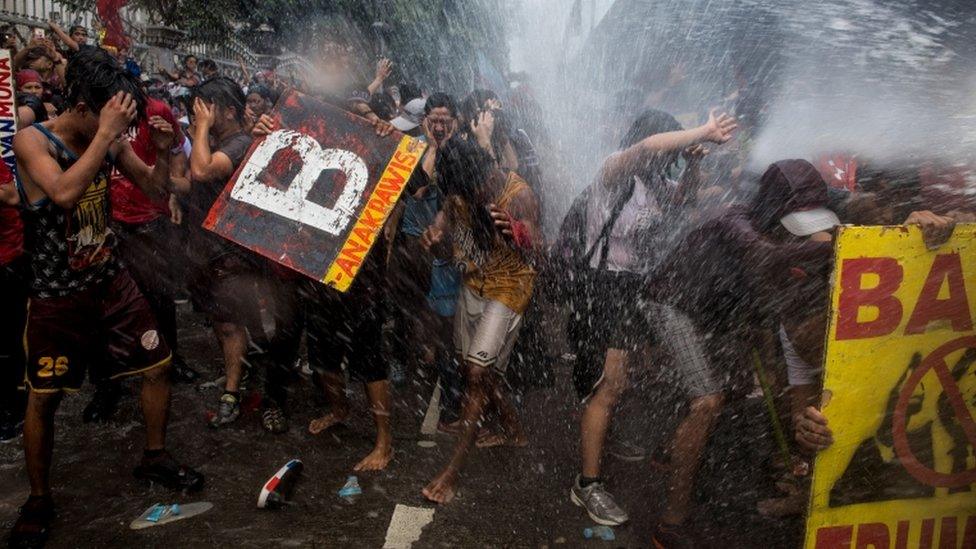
[{"x": 70, "y": 250}]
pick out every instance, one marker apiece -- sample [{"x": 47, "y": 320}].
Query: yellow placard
[
  {"x": 899, "y": 395},
  {"x": 381, "y": 202}
]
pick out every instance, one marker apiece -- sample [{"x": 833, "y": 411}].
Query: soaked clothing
[
  {"x": 501, "y": 274},
  {"x": 218, "y": 265},
  {"x": 348, "y": 326},
  {"x": 129, "y": 203},
  {"x": 83, "y": 305},
  {"x": 641, "y": 233},
  {"x": 67, "y": 335},
  {"x": 11, "y": 227},
  {"x": 620, "y": 315},
  {"x": 485, "y": 331},
  {"x": 70, "y": 250},
  {"x": 746, "y": 276}
]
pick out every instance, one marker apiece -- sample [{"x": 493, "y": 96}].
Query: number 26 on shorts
[{"x": 52, "y": 367}]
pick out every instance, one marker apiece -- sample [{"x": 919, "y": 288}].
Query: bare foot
[
  {"x": 325, "y": 423},
  {"x": 441, "y": 489},
  {"x": 377, "y": 460},
  {"x": 491, "y": 440}
]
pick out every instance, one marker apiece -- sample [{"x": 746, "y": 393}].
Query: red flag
[{"x": 108, "y": 12}]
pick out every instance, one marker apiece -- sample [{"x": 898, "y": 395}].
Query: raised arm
[
  {"x": 63, "y": 36},
  {"x": 383, "y": 69},
  {"x": 153, "y": 181},
  {"x": 718, "y": 129},
  {"x": 66, "y": 187},
  {"x": 206, "y": 165}
]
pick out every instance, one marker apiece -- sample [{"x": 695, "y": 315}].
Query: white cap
[
  {"x": 807, "y": 222},
  {"x": 413, "y": 111}
]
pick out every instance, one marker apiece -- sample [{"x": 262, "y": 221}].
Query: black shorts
[
  {"x": 223, "y": 279},
  {"x": 108, "y": 325},
  {"x": 344, "y": 327},
  {"x": 609, "y": 315}
]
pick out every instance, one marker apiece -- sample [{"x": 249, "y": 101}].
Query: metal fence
[{"x": 26, "y": 15}]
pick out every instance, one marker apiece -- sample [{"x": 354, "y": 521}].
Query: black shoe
[
  {"x": 182, "y": 372},
  {"x": 166, "y": 471},
  {"x": 33, "y": 524},
  {"x": 103, "y": 403}
]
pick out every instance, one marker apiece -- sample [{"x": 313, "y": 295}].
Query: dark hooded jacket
[{"x": 727, "y": 273}]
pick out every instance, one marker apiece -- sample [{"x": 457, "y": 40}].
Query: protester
[
  {"x": 208, "y": 70},
  {"x": 41, "y": 57},
  {"x": 75, "y": 39},
  {"x": 491, "y": 224},
  {"x": 188, "y": 76},
  {"x": 409, "y": 119},
  {"x": 14, "y": 275},
  {"x": 633, "y": 210},
  {"x": 222, "y": 273},
  {"x": 414, "y": 275},
  {"x": 79, "y": 292},
  {"x": 260, "y": 100},
  {"x": 30, "y": 105}
]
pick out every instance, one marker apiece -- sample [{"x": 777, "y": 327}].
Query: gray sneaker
[
  {"x": 227, "y": 411},
  {"x": 598, "y": 503}
]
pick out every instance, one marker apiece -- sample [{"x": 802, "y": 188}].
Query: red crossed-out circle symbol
[{"x": 935, "y": 361}]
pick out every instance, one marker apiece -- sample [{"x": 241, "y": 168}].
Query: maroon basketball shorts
[{"x": 108, "y": 325}]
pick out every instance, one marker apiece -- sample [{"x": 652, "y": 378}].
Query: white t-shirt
[
  {"x": 631, "y": 246},
  {"x": 798, "y": 371}
]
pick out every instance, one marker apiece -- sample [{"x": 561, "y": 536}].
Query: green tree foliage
[{"x": 432, "y": 41}]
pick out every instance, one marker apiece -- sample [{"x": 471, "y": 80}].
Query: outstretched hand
[
  {"x": 719, "y": 128},
  {"x": 384, "y": 67}
]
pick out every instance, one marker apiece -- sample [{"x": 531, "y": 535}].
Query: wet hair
[
  {"x": 438, "y": 100},
  {"x": 93, "y": 77},
  {"x": 408, "y": 92},
  {"x": 34, "y": 103},
  {"x": 383, "y": 105},
  {"x": 33, "y": 54},
  {"x": 224, "y": 92},
  {"x": 474, "y": 102},
  {"x": 207, "y": 65},
  {"x": 650, "y": 122},
  {"x": 160, "y": 93},
  {"x": 264, "y": 91},
  {"x": 462, "y": 168},
  {"x": 653, "y": 122}
]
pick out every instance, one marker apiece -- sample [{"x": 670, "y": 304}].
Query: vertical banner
[
  {"x": 315, "y": 194},
  {"x": 899, "y": 395},
  {"x": 8, "y": 109}
]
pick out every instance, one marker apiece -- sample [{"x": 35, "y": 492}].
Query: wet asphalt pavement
[{"x": 508, "y": 497}]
